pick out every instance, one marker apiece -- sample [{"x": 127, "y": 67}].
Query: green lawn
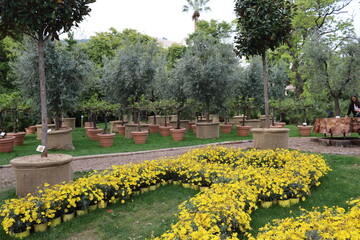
[{"x": 84, "y": 146}]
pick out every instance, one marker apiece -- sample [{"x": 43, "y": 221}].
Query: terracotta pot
[
  {"x": 226, "y": 128},
  {"x": 106, "y": 139},
  {"x": 193, "y": 127},
  {"x": 165, "y": 131},
  {"x": 30, "y": 130},
  {"x": 153, "y": 128},
  {"x": 121, "y": 129},
  {"x": 86, "y": 130},
  {"x": 177, "y": 134},
  {"x": 243, "y": 131},
  {"x": 92, "y": 133},
  {"x": 304, "y": 130},
  {"x": 7, "y": 144},
  {"x": 19, "y": 138},
  {"x": 139, "y": 137}
]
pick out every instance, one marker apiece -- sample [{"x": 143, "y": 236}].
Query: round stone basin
[
  {"x": 338, "y": 141},
  {"x": 33, "y": 171}
]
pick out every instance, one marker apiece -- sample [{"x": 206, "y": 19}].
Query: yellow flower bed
[
  {"x": 329, "y": 223},
  {"x": 237, "y": 181}
]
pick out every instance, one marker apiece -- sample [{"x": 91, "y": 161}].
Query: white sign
[
  {"x": 337, "y": 117},
  {"x": 2, "y": 134},
  {"x": 49, "y": 130},
  {"x": 304, "y": 124},
  {"x": 40, "y": 148}
]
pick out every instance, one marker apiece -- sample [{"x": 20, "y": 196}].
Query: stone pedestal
[
  {"x": 113, "y": 124},
  {"x": 134, "y": 127},
  {"x": 207, "y": 130},
  {"x": 69, "y": 122},
  {"x": 38, "y": 130},
  {"x": 183, "y": 124},
  {"x": 270, "y": 138},
  {"x": 60, "y": 139},
  {"x": 160, "y": 120},
  {"x": 33, "y": 171}
]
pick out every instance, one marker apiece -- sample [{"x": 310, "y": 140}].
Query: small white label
[
  {"x": 49, "y": 130},
  {"x": 40, "y": 148},
  {"x": 304, "y": 124},
  {"x": 2, "y": 134},
  {"x": 82, "y": 116},
  {"x": 337, "y": 117}
]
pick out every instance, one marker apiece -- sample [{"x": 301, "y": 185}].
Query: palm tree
[{"x": 197, "y": 6}]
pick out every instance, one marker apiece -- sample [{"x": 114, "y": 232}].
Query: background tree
[
  {"x": 206, "y": 71},
  {"x": 197, "y": 6},
  {"x": 218, "y": 30},
  {"x": 130, "y": 73},
  {"x": 262, "y": 25},
  {"x": 68, "y": 73},
  {"x": 41, "y": 20},
  {"x": 336, "y": 70}
]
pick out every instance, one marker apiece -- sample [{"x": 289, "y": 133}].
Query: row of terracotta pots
[{"x": 11, "y": 140}]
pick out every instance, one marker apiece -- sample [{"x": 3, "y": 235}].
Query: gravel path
[{"x": 86, "y": 163}]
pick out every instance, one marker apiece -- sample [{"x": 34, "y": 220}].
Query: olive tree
[
  {"x": 262, "y": 25},
  {"x": 206, "y": 71},
  {"x": 42, "y": 21}
]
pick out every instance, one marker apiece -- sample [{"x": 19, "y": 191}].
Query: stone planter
[
  {"x": 33, "y": 171},
  {"x": 226, "y": 128},
  {"x": 92, "y": 133},
  {"x": 183, "y": 124},
  {"x": 30, "y": 130},
  {"x": 113, "y": 125},
  {"x": 61, "y": 139},
  {"x": 106, "y": 139},
  {"x": 19, "y": 137},
  {"x": 165, "y": 131},
  {"x": 38, "y": 130},
  {"x": 7, "y": 144},
  {"x": 243, "y": 131},
  {"x": 281, "y": 124},
  {"x": 177, "y": 134},
  {"x": 139, "y": 137},
  {"x": 134, "y": 128},
  {"x": 207, "y": 130},
  {"x": 159, "y": 119},
  {"x": 153, "y": 128},
  {"x": 270, "y": 138},
  {"x": 304, "y": 130},
  {"x": 69, "y": 122},
  {"x": 121, "y": 129},
  {"x": 262, "y": 120}
]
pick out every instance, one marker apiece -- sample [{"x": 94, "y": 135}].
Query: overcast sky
[{"x": 160, "y": 18}]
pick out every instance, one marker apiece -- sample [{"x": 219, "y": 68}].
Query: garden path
[{"x": 86, "y": 163}]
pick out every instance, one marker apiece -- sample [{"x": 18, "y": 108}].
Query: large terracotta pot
[
  {"x": 177, "y": 134},
  {"x": 281, "y": 124},
  {"x": 304, "y": 130},
  {"x": 139, "y": 137},
  {"x": 89, "y": 124},
  {"x": 243, "y": 131},
  {"x": 7, "y": 144},
  {"x": 92, "y": 133},
  {"x": 19, "y": 138},
  {"x": 226, "y": 128},
  {"x": 121, "y": 129},
  {"x": 153, "y": 128},
  {"x": 106, "y": 139},
  {"x": 165, "y": 131},
  {"x": 30, "y": 130}
]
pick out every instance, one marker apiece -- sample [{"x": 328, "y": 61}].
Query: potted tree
[
  {"x": 106, "y": 139},
  {"x": 226, "y": 112},
  {"x": 139, "y": 106},
  {"x": 304, "y": 104},
  {"x": 154, "y": 107},
  {"x": 93, "y": 106},
  {"x": 15, "y": 104},
  {"x": 166, "y": 105},
  {"x": 245, "y": 104},
  {"x": 121, "y": 127},
  {"x": 178, "y": 133}
]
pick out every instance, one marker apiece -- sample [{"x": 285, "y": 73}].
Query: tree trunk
[
  {"x": 266, "y": 96},
  {"x": 337, "y": 106},
  {"x": 43, "y": 104}
]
